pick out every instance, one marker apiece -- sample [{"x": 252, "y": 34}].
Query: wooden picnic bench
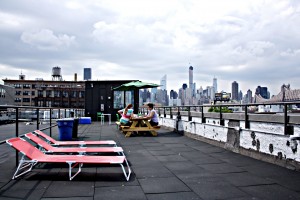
[{"x": 139, "y": 124}]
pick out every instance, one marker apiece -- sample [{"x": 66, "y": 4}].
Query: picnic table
[{"x": 139, "y": 124}]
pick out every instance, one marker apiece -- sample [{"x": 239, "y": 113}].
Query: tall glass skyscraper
[
  {"x": 163, "y": 83},
  {"x": 215, "y": 84},
  {"x": 87, "y": 74},
  {"x": 191, "y": 77},
  {"x": 235, "y": 91}
]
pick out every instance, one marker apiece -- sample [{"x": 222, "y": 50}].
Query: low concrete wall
[{"x": 265, "y": 140}]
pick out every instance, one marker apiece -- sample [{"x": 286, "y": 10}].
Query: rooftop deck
[{"x": 169, "y": 166}]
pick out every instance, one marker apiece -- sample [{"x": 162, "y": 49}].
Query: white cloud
[
  {"x": 290, "y": 53},
  {"x": 45, "y": 39},
  {"x": 10, "y": 21}
]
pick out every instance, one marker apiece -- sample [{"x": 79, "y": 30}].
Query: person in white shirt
[{"x": 152, "y": 115}]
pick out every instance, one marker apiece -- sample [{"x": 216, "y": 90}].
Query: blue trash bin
[{"x": 65, "y": 128}]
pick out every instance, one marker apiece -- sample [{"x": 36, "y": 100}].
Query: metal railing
[
  {"x": 245, "y": 108},
  {"x": 19, "y": 114}
]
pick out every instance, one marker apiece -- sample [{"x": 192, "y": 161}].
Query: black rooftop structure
[{"x": 100, "y": 97}]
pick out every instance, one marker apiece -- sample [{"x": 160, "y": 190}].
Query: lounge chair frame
[
  {"x": 47, "y": 148},
  {"x": 35, "y": 156}
]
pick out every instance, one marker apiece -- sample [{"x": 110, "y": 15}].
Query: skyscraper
[
  {"x": 173, "y": 94},
  {"x": 191, "y": 77},
  {"x": 163, "y": 83},
  {"x": 87, "y": 74},
  {"x": 215, "y": 84},
  {"x": 249, "y": 96},
  {"x": 263, "y": 91},
  {"x": 235, "y": 91}
]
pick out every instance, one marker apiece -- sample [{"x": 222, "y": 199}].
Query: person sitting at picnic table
[
  {"x": 126, "y": 114},
  {"x": 152, "y": 115}
]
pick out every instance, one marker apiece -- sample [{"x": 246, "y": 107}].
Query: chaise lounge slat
[{"x": 52, "y": 141}]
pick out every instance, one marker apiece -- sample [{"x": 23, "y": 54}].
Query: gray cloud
[{"x": 251, "y": 42}]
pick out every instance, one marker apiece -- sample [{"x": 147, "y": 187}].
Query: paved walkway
[{"x": 169, "y": 166}]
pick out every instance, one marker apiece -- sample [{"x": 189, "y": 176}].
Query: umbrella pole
[{"x": 136, "y": 100}]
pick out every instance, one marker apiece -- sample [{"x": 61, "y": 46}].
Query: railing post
[
  {"x": 38, "y": 119},
  {"x": 189, "y": 114},
  {"x": 222, "y": 123},
  {"x": 203, "y": 121},
  {"x": 65, "y": 113},
  {"x": 50, "y": 122},
  {"x": 165, "y": 115},
  {"x": 171, "y": 113},
  {"x": 285, "y": 119},
  {"x": 17, "y": 134},
  {"x": 247, "y": 123}
]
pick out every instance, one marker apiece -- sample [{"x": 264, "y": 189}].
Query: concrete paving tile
[
  {"x": 245, "y": 179},
  {"x": 199, "y": 158},
  {"x": 270, "y": 171},
  {"x": 150, "y": 172},
  {"x": 209, "y": 149},
  {"x": 69, "y": 198},
  {"x": 206, "y": 160},
  {"x": 117, "y": 193},
  {"x": 163, "y": 185},
  {"x": 190, "y": 171},
  {"x": 162, "y": 153},
  {"x": 70, "y": 189},
  {"x": 271, "y": 192},
  {"x": 290, "y": 182},
  {"x": 15, "y": 194},
  {"x": 171, "y": 158},
  {"x": 112, "y": 176},
  {"x": 174, "y": 196},
  {"x": 183, "y": 167},
  {"x": 151, "y": 145},
  {"x": 221, "y": 168},
  {"x": 158, "y": 148},
  {"x": 214, "y": 188},
  {"x": 167, "y": 140},
  {"x": 7, "y": 198},
  {"x": 246, "y": 198},
  {"x": 237, "y": 160},
  {"x": 182, "y": 149},
  {"x": 36, "y": 194},
  {"x": 173, "y": 145}
]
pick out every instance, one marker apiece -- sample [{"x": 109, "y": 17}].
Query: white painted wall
[
  {"x": 265, "y": 139},
  {"x": 266, "y": 133}
]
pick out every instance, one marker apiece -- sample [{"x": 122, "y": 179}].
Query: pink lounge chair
[
  {"x": 44, "y": 146},
  {"x": 78, "y": 143},
  {"x": 35, "y": 156}
]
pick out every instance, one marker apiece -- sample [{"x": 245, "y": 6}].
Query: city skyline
[
  {"x": 163, "y": 80},
  {"x": 231, "y": 40}
]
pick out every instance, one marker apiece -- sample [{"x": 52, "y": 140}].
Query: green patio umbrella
[{"x": 135, "y": 85}]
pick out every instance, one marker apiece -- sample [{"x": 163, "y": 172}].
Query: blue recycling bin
[{"x": 65, "y": 129}]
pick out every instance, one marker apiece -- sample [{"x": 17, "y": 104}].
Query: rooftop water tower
[
  {"x": 56, "y": 74},
  {"x": 22, "y": 77}
]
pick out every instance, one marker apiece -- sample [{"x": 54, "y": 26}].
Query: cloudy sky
[{"x": 253, "y": 42}]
